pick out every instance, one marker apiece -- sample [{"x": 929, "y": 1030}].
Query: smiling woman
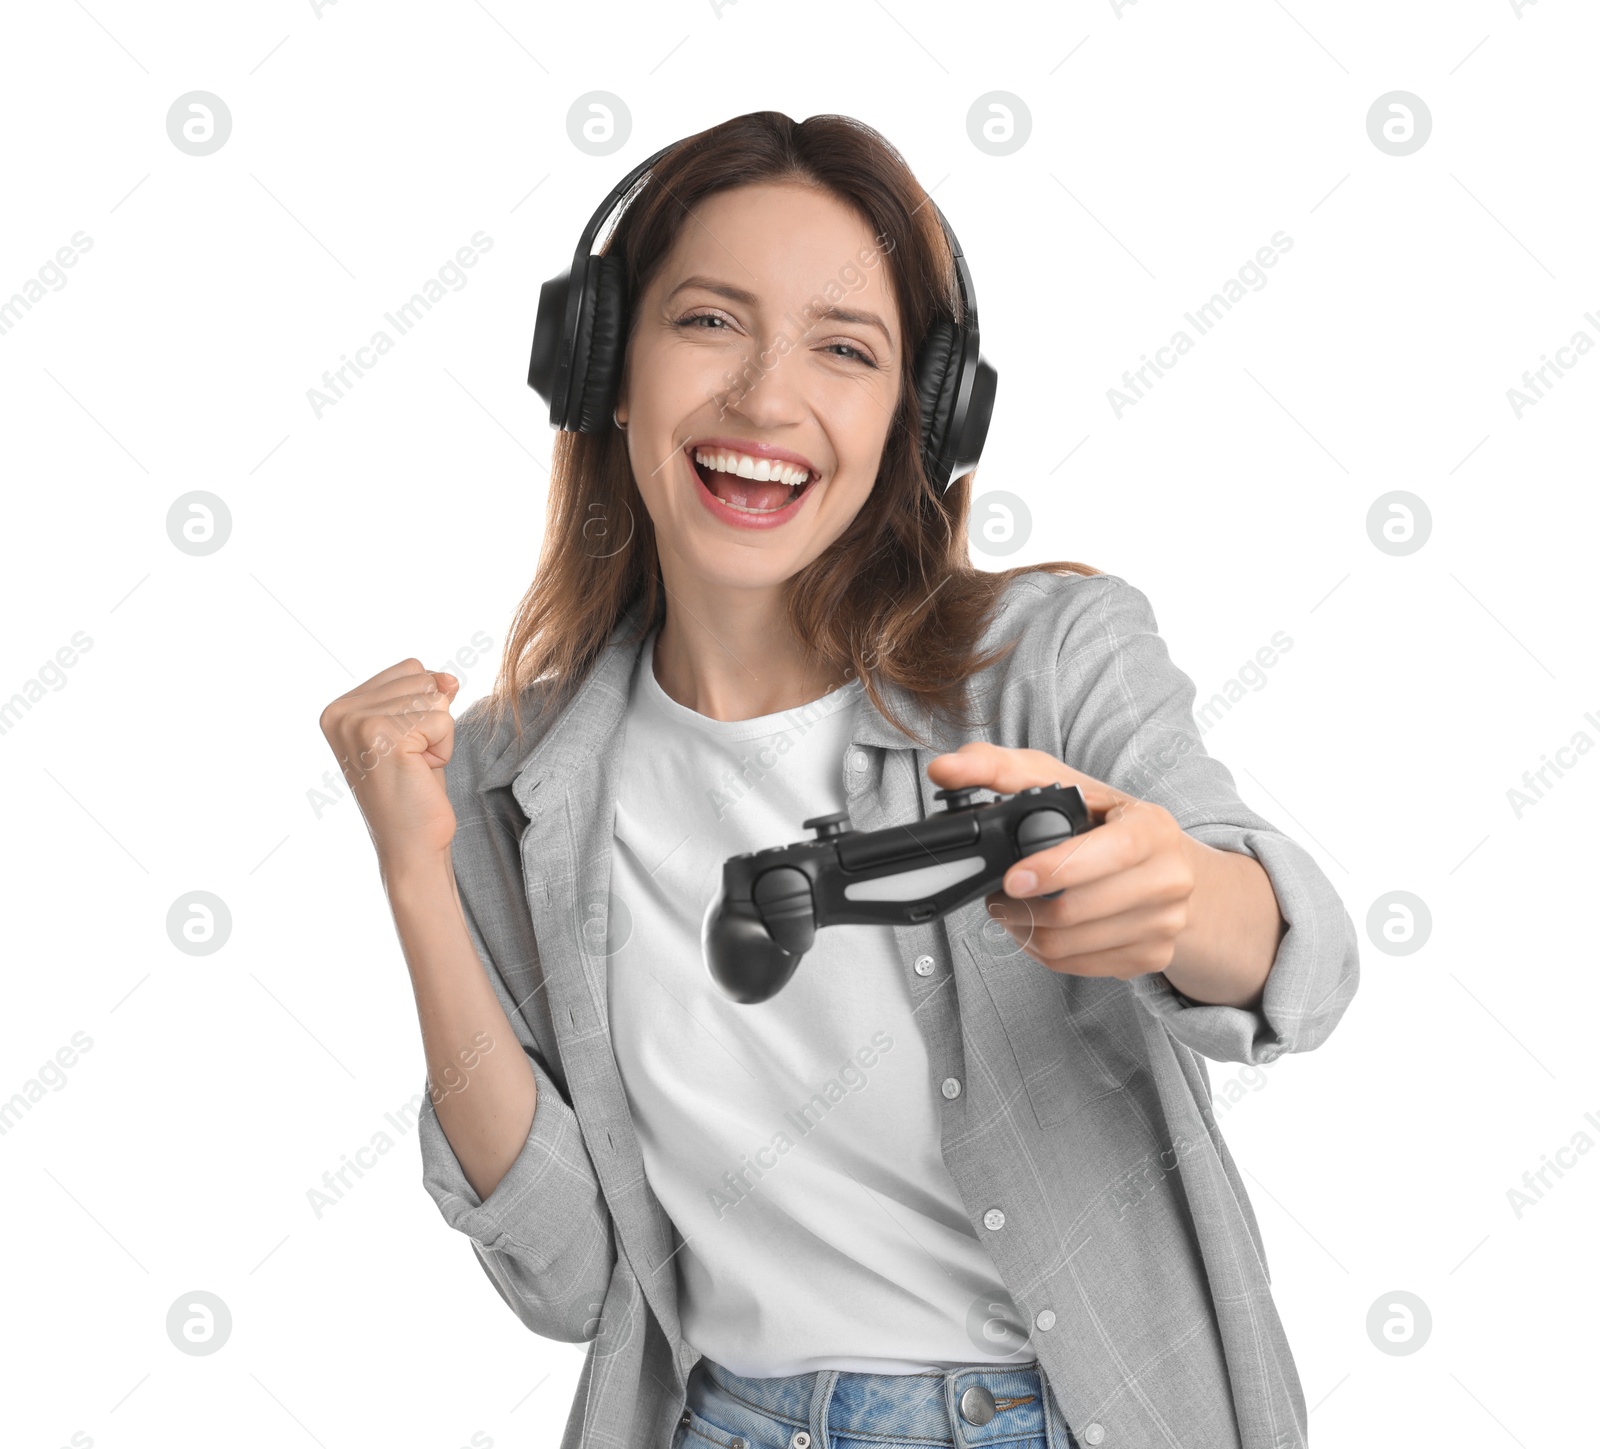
[
  {"x": 754, "y": 606},
  {"x": 792, "y": 298}
]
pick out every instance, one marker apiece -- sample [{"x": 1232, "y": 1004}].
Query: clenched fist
[{"x": 392, "y": 736}]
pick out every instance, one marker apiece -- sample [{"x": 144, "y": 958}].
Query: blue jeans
[{"x": 831, "y": 1409}]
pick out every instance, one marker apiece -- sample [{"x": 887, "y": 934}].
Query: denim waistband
[{"x": 925, "y": 1407}]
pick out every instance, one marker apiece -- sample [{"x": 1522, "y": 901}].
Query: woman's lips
[{"x": 740, "y": 518}]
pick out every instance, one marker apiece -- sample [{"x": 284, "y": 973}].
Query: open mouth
[{"x": 747, "y": 495}]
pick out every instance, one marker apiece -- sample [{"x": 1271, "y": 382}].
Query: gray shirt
[{"x": 1075, "y": 1112}]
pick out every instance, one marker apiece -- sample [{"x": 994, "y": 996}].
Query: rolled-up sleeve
[
  {"x": 544, "y": 1235},
  {"x": 1128, "y": 719}
]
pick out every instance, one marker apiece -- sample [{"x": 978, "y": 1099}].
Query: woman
[{"x": 957, "y": 1182}]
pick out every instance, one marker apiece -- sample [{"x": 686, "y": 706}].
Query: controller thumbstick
[
  {"x": 827, "y": 826},
  {"x": 958, "y": 799}
]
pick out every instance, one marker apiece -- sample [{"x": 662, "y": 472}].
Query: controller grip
[{"x": 740, "y": 956}]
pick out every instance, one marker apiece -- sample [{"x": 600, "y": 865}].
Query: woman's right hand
[{"x": 392, "y": 737}]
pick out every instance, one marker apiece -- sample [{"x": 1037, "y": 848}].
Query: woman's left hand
[{"x": 1129, "y": 883}]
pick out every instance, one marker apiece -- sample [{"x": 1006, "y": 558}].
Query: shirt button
[
  {"x": 951, "y": 1087},
  {"x": 923, "y": 965},
  {"x": 994, "y": 1220},
  {"x": 1045, "y": 1320},
  {"x": 1093, "y": 1433},
  {"x": 858, "y": 759}
]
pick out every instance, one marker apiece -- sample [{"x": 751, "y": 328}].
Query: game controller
[{"x": 771, "y": 903}]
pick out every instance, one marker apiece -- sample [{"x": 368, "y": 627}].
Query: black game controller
[{"x": 766, "y": 915}]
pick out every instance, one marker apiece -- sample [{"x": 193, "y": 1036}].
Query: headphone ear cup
[
  {"x": 936, "y": 393},
  {"x": 603, "y": 346}
]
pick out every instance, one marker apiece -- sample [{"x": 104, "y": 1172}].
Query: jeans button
[
  {"x": 977, "y": 1405},
  {"x": 801, "y": 1440}
]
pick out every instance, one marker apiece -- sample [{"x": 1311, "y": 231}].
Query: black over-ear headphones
[{"x": 578, "y": 346}]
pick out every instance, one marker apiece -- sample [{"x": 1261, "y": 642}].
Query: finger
[
  {"x": 1132, "y": 831},
  {"x": 424, "y": 680},
  {"x": 1145, "y": 931},
  {"x": 403, "y": 669},
  {"x": 1153, "y": 883},
  {"x": 1111, "y": 848},
  {"x": 386, "y": 684},
  {"x": 423, "y": 693},
  {"x": 430, "y": 736},
  {"x": 427, "y": 733},
  {"x": 1123, "y": 962},
  {"x": 978, "y": 762},
  {"x": 1006, "y": 771}
]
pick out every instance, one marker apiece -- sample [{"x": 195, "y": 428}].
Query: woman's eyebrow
[{"x": 749, "y": 299}]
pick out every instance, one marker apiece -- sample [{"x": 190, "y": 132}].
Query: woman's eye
[
  {"x": 838, "y": 349},
  {"x": 854, "y": 352}
]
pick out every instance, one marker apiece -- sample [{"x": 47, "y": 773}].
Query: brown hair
[{"x": 896, "y": 593}]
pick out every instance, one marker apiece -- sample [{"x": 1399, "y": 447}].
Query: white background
[{"x": 1168, "y": 143}]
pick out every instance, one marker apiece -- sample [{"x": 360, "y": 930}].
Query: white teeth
[{"x": 760, "y": 470}]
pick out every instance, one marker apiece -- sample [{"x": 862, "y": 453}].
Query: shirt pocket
[{"x": 1062, "y": 1029}]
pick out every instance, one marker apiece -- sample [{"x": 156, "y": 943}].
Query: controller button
[
  {"x": 1042, "y": 828},
  {"x": 958, "y": 799},
  {"x": 782, "y": 896},
  {"x": 782, "y": 887}
]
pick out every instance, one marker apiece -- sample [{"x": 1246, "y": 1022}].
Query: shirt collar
[{"x": 597, "y": 709}]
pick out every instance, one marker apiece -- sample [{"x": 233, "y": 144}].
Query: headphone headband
[{"x": 955, "y": 384}]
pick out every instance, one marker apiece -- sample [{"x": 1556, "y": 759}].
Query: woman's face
[{"x": 768, "y": 342}]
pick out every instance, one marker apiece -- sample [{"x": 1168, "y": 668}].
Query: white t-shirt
[{"x": 795, "y": 1142}]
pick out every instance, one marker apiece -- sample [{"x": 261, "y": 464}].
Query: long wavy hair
[{"x": 896, "y": 595}]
